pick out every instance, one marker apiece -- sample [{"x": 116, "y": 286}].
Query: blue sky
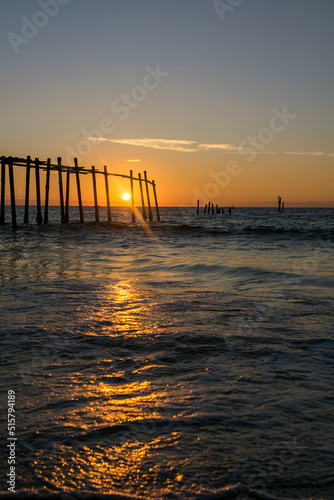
[{"x": 226, "y": 74}]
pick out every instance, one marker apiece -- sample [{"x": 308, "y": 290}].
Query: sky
[{"x": 223, "y": 101}]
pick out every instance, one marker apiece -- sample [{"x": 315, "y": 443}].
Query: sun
[{"x": 126, "y": 196}]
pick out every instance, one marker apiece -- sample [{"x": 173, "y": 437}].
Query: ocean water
[{"x": 186, "y": 358}]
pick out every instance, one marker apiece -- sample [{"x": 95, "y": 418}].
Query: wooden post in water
[
  {"x": 156, "y": 200},
  {"x": 142, "y": 197},
  {"x": 209, "y": 207},
  {"x": 39, "y": 218},
  {"x": 107, "y": 192},
  {"x": 197, "y": 211},
  {"x": 61, "y": 192},
  {"x": 26, "y": 201},
  {"x": 282, "y": 206},
  {"x": 217, "y": 211},
  {"x": 47, "y": 190},
  {"x": 12, "y": 191},
  {"x": 67, "y": 196},
  {"x": 212, "y": 209},
  {"x": 206, "y": 206},
  {"x": 3, "y": 180},
  {"x": 77, "y": 176},
  {"x": 97, "y": 218},
  {"x": 132, "y": 198},
  {"x": 150, "y": 215},
  {"x": 279, "y": 203}
]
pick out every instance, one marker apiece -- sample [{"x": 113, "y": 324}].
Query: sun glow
[{"x": 126, "y": 196}]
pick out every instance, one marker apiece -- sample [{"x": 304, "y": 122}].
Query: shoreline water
[{"x": 174, "y": 360}]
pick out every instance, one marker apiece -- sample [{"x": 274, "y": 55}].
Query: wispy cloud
[
  {"x": 305, "y": 153},
  {"x": 222, "y": 147},
  {"x": 185, "y": 146},
  {"x": 133, "y": 161},
  {"x": 169, "y": 144}
]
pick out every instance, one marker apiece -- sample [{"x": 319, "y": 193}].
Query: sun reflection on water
[
  {"x": 110, "y": 429},
  {"x": 123, "y": 309}
]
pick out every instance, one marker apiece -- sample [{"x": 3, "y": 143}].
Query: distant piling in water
[
  {"x": 64, "y": 202},
  {"x": 213, "y": 209},
  {"x": 280, "y": 204}
]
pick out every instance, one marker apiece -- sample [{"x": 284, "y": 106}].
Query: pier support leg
[
  {"x": 77, "y": 176},
  {"x": 156, "y": 200},
  {"x": 26, "y": 201},
  {"x": 132, "y": 198},
  {"x": 67, "y": 196},
  {"x": 150, "y": 215},
  {"x": 97, "y": 218},
  {"x": 142, "y": 197},
  {"x": 47, "y": 189},
  {"x": 12, "y": 191},
  {"x": 39, "y": 218},
  {"x": 3, "y": 180},
  {"x": 107, "y": 193},
  {"x": 61, "y": 191}
]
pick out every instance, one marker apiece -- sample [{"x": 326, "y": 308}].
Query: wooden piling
[
  {"x": 97, "y": 218},
  {"x": 229, "y": 210},
  {"x": 107, "y": 193},
  {"x": 26, "y": 201},
  {"x": 282, "y": 206},
  {"x": 212, "y": 209},
  {"x": 206, "y": 206},
  {"x": 209, "y": 207},
  {"x": 39, "y": 218},
  {"x": 150, "y": 214},
  {"x": 142, "y": 197},
  {"x": 132, "y": 198},
  {"x": 3, "y": 180},
  {"x": 279, "y": 203},
  {"x": 156, "y": 201},
  {"x": 77, "y": 176},
  {"x": 217, "y": 211},
  {"x": 12, "y": 191},
  {"x": 197, "y": 211},
  {"x": 61, "y": 191},
  {"x": 47, "y": 190},
  {"x": 67, "y": 196}
]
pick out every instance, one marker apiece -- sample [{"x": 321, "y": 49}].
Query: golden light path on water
[{"x": 112, "y": 425}]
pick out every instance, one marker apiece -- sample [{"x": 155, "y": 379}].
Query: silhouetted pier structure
[
  {"x": 211, "y": 209},
  {"x": 64, "y": 192}
]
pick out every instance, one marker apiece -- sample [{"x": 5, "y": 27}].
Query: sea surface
[{"x": 191, "y": 358}]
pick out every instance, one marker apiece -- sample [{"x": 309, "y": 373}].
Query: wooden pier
[
  {"x": 212, "y": 209},
  {"x": 75, "y": 172}
]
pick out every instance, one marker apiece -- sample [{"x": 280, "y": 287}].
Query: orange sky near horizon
[
  {"x": 234, "y": 108},
  {"x": 183, "y": 178}
]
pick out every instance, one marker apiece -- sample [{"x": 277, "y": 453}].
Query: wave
[{"x": 233, "y": 492}]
